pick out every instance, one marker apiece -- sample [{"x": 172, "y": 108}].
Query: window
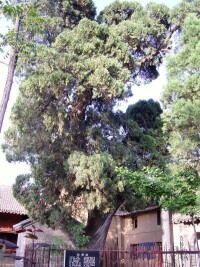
[
  {"x": 147, "y": 250},
  {"x": 158, "y": 217},
  {"x": 134, "y": 223}
]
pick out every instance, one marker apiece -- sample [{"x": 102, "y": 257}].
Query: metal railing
[
  {"x": 43, "y": 257},
  {"x": 150, "y": 257},
  {"x": 142, "y": 257}
]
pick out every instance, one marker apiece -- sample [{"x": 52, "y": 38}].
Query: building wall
[
  {"x": 47, "y": 236},
  {"x": 184, "y": 235},
  {"x": 124, "y": 233},
  {"x": 147, "y": 229},
  {"x": 170, "y": 233},
  {"x": 7, "y": 220},
  {"x": 112, "y": 238}
]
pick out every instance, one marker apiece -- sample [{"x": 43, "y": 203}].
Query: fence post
[{"x": 49, "y": 257}]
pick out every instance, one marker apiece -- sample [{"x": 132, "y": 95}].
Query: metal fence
[
  {"x": 43, "y": 257},
  {"x": 142, "y": 257},
  {"x": 150, "y": 257}
]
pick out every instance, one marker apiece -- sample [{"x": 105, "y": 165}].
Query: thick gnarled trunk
[{"x": 98, "y": 229}]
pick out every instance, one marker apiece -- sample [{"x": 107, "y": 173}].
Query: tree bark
[
  {"x": 99, "y": 230},
  {"x": 195, "y": 232},
  {"x": 167, "y": 235},
  {"x": 10, "y": 76},
  {"x": 196, "y": 238},
  {"x": 167, "y": 238}
]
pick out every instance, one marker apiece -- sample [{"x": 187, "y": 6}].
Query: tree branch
[
  {"x": 10, "y": 76},
  {"x": 1, "y": 62}
]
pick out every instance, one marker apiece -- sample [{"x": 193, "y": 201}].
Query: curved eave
[{"x": 14, "y": 212}]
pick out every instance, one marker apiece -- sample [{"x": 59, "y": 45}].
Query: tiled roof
[
  {"x": 8, "y": 204},
  {"x": 180, "y": 218},
  {"x": 136, "y": 211}
]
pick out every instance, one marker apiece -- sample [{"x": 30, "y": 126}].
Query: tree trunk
[
  {"x": 97, "y": 229},
  {"x": 10, "y": 76},
  {"x": 167, "y": 236},
  {"x": 195, "y": 232},
  {"x": 196, "y": 239}
]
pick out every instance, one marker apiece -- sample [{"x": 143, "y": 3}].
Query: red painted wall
[{"x": 7, "y": 221}]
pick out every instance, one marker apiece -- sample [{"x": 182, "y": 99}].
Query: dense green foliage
[
  {"x": 40, "y": 23},
  {"x": 176, "y": 192},
  {"x": 181, "y": 191},
  {"x": 63, "y": 123},
  {"x": 182, "y": 97},
  {"x": 142, "y": 143}
]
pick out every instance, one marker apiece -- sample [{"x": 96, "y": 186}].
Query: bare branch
[{"x": 1, "y": 62}]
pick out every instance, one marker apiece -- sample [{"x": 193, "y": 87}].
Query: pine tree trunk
[{"x": 10, "y": 76}]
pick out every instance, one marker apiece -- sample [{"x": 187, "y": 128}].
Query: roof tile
[
  {"x": 8, "y": 204},
  {"x": 183, "y": 218}
]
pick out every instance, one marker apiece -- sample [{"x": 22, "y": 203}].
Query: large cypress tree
[{"x": 63, "y": 122}]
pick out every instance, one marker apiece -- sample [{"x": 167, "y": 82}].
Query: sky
[{"x": 9, "y": 171}]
